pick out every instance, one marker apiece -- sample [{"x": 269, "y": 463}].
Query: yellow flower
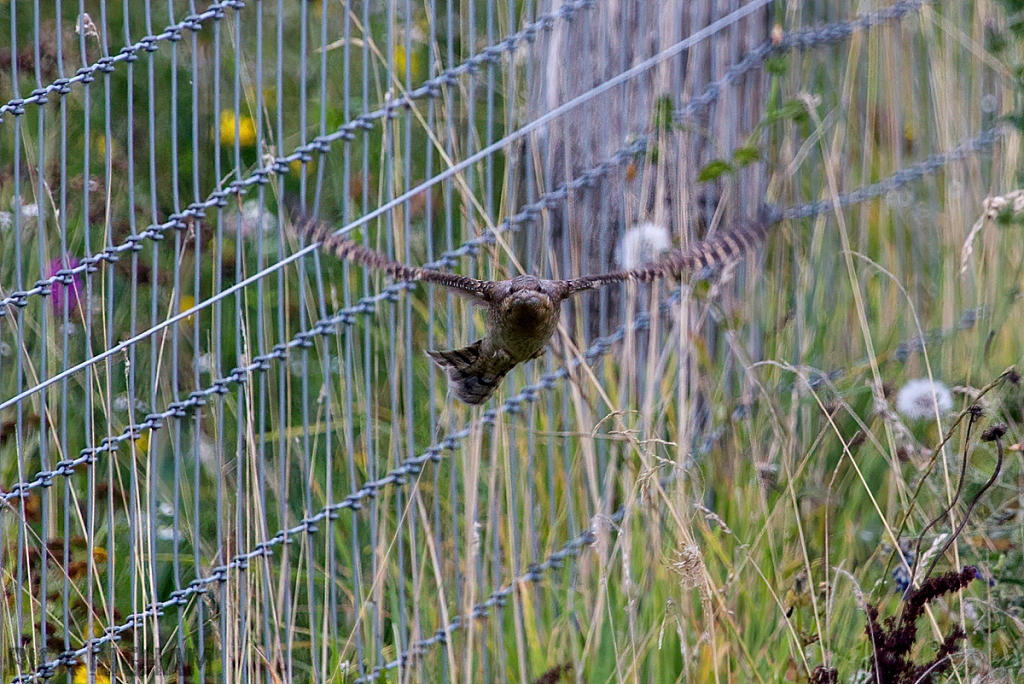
[
  {"x": 81, "y": 676},
  {"x": 401, "y": 58},
  {"x": 185, "y": 303},
  {"x": 99, "y": 145},
  {"x": 295, "y": 168},
  {"x": 142, "y": 443},
  {"x": 243, "y": 125}
]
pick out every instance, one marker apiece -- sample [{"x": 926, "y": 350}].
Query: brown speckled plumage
[{"x": 522, "y": 312}]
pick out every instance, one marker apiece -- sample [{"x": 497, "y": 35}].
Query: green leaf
[
  {"x": 713, "y": 170},
  {"x": 1016, "y": 119},
  {"x": 745, "y": 156},
  {"x": 776, "y": 65},
  {"x": 995, "y": 40},
  {"x": 1007, "y": 218},
  {"x": 664, "y": 114},
  {"x": 795, "y": 110}
]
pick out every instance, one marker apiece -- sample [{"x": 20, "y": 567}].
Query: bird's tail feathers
[{"x": 472, "y": 375}]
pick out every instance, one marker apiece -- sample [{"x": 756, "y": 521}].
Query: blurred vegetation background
[{"x": 734, "y": 481}]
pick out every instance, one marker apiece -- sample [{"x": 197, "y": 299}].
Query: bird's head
[{"x": 529, "y": 300}]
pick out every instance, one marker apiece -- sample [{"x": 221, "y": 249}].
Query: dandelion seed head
[
  {"x": 642, "y": 244},
  {"x": 922, "y": 399},
  {"x": 250, "y": 219}
]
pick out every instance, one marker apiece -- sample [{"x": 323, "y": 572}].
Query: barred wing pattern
[
  {"x": 523, "y": 311},
  {"x": 317, "y": 230},
  {"x": 717, "y": 250}
]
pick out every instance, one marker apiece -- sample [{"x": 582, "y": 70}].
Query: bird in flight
[{"x": 522, "y": 312}]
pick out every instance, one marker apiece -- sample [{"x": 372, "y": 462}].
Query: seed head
[{"x": 922, "y": 399}]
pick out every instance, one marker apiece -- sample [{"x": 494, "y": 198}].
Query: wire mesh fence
[{"x": 224, "y": 456}]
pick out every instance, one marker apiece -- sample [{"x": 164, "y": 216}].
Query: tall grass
[{"x": 749, "y": 485}]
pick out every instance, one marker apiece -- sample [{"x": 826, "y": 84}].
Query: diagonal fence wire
[
  {"x": 302, "y": 153},
  {"x": 908, "y": 175},
  {"x": 513, "y": 405},
  {"x": 399, "y": 475},
  {"x": 531, "y": 212},
  {"x": 325, "y": 327},
  {"x": 482, "y": 611},
  {"x": 802, "y": 39},
  {"x": 412, "y": 466},
  {"x": 574, "y": 546},
  {"x": 129, "y": 53},
  {"x": 321, "y": 144}
]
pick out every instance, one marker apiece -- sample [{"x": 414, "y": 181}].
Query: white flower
[
  {"x": 27, "y": 211},
  {"x": 921, "y": 399},
  {"x": 6, "y": 220},
  {"x": 250, "y": 219},
  {"x": 208, "y": 454},
  {"x": 642, "y": 244},
  {"x": 207, "y": 363}
]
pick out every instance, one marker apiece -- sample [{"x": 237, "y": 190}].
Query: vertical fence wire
[{"x": 252, "y": 475}]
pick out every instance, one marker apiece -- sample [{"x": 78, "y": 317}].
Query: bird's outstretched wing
[
  {"x": 716, "y": 251},
  {"x": 319, "y": 231}
]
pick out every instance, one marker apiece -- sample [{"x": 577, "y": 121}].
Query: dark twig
[
  {"x": 993, "y": 434},
  {"x": 1008, "y": 374},
  {"x": 975, "y": 414}
]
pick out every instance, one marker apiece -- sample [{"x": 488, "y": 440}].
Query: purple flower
[{"x": 64, "y": 297}]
